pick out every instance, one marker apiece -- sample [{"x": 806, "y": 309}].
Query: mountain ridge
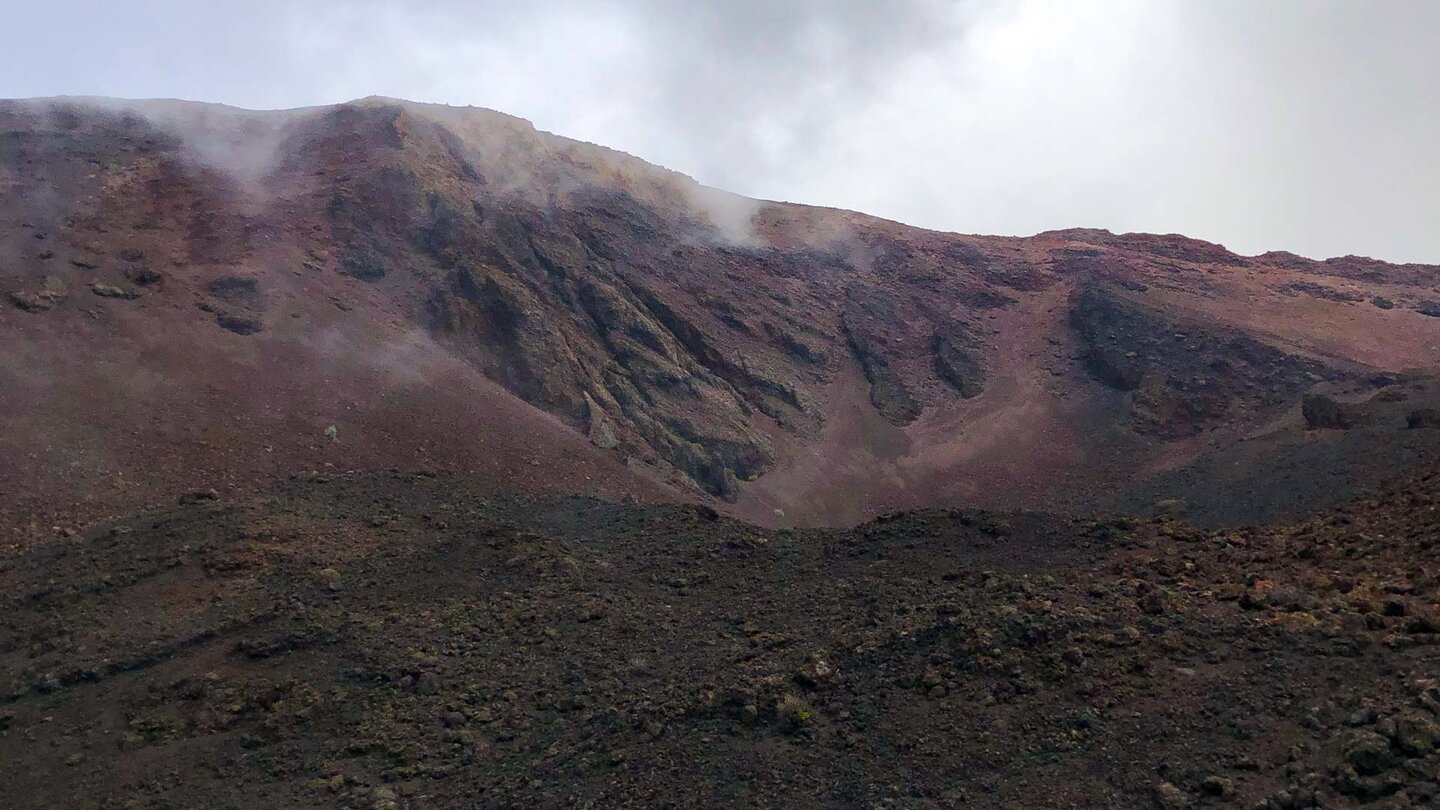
[{"x": 122, "y": 103}]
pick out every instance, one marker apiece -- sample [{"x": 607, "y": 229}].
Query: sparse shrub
[{"x": 794, "y": 713}]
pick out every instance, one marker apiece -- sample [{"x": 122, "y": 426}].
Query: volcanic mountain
[
  {"x": 454, "y": 409},
  {"x": 198, "y": 297}
]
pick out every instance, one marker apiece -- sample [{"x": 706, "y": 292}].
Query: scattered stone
[
  {"x": 1322, "y": 412},
  {"x": 238, "y": 290},
  {"x": 1170, "y": 797},
  {"x": 239, "y": 324},
  {"x": 1218, "y": 786},
  {"x": 1363, "y": 717},
  {"x": 1422, "y": 792},
  {"x": 111, "y": 291},
  {"x": 1171, "y": 508},
  {"x": 143, "y": 276},
  {"x": 31, "y": 302},
  {"x": 1156, "y": 601},
  {"x": 1370, "y": 753},
  {"x": 1366, "y": 788},
  {"x": 365, "y": 265},
  {"x": 1423, "y": 418},
  {"x": 1416, "y": 735},
  {"x": 816, "y": 671}
]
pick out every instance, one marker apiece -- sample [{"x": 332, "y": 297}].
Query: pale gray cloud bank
[{"x": 1307, "y": 125}]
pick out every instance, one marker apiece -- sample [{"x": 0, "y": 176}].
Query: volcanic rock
[
  {"x": 1321, "y": 411},
  {"x": 1423, "y": 418}
]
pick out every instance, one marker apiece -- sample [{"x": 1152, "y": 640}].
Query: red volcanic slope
[{"x": 195, "y": 295}]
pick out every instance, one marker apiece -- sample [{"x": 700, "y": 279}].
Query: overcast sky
[{"x": 1305, "y": 125}]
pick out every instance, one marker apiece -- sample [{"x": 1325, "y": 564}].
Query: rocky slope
[
  {"x": 398, "y": 641},
  {"x": 198, "y": 294}
]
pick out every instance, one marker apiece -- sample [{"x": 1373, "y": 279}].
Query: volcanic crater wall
[{"x": 696, "y": 338}]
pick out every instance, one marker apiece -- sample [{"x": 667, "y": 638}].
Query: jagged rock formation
[
  {"x": 1321, "y": 411},
  {"x": 1186, "y": 377}
]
